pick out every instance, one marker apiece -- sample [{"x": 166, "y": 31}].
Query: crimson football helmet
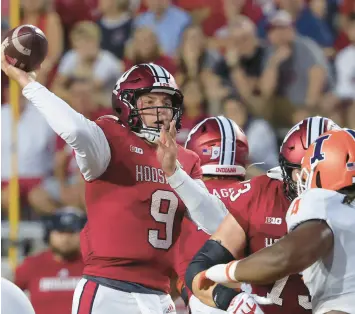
[
  {"x": 221, "y": 145},
  {"x": 295, "y": 145},
  {"x": 139, "y": 80}
]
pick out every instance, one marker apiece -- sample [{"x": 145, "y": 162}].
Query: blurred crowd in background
[{"x": 266, "y": 64}]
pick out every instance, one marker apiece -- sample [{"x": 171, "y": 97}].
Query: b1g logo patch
[
  {"x": 273, "y": 220},
  {"x": 136, "y": 150}
]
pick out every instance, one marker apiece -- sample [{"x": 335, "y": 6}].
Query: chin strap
[{"x": 150, "y": 136}]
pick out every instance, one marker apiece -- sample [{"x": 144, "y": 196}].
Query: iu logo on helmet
[{"x": 318, "y": 155}]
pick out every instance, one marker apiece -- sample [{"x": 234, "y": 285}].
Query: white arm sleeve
[
  {"x": 205, "y": 209},
  {"x": 92, "y": 150}
]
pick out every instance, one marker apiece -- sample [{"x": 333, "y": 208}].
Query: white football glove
[{"x": 244, "y": 303}]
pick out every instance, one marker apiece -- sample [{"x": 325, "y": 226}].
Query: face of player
[
  {"x": 65, "y": 244},
  {"x": 156, "y": 116}
]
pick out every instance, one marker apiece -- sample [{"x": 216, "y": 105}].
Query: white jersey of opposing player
[
  {"x": 14, "y": 300},
  {"x": 331, "y": 280}
]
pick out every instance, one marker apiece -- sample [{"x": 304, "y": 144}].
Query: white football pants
[{"x": 92, "y": 298}]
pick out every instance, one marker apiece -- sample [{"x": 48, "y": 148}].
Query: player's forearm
[
  {"x": 206, "y": 210},
  {"x": 290, "y": 255},
  {"x": 84, "y": 136},
  {"x": 211, "y": 253},
  {"x": 205, "y": 296},
  {"x": 263, "y": 267}
]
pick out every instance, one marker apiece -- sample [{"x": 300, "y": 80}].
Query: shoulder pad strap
[{"x": 110, "y": 117}]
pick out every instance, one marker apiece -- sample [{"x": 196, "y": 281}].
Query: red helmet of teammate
[
  {"x": 221, "y": 145},
  {"x": 139, "y": 80},
  {"x": 295, "y": 145}
]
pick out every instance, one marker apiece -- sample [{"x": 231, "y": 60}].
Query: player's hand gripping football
[
  {"x": 21, "y": 77},
  {"x": 167, "y": 149}
]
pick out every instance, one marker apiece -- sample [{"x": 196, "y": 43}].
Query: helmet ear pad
[
  {"x": 289, "y": 186},
  {"x": 127, "y": 113}
]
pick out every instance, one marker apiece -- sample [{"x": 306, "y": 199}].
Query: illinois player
[
  {"x": 13, "y": 299},
  {"x": 321, "y": 230},
  {"x": 52, "y": 275},
  {"x": 134, "y": 215},
  {"x": 257, "y": 216},
  {"x": 223, "y": 150}
]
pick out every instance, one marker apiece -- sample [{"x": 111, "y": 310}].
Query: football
[{"x": 25, "y": 47}]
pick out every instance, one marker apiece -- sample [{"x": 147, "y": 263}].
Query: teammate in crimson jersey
[
  {"x": 321, "y": 231},
  {"x": 132, "y": 188},
  {"x": 52, "y": 275},
  {"x": 257, "y": 215},
  {"x": 223, "y": 150}
]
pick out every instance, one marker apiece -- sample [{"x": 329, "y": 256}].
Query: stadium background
[{"x": 221, "y": 53}]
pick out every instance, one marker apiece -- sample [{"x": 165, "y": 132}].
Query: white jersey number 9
[{"x": 166, "y": 218}]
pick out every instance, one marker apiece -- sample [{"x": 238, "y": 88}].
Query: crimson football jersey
[
  {"x": 260, "y": 207},
  {"x": 192, "y": 238},
  {"x": 51, "y": 283},
  {"x": 134, "y": 216}
]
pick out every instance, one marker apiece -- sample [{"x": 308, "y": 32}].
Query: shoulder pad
[
  {"x": 108, "y": 117},
  {"x": 275, "y": 173}
]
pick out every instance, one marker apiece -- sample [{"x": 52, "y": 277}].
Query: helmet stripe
[
  {"x": 165, "y": 74},
  {"x": 223, "y": 141},
  {"x": 234, "y": 135},
  {"x": 321, "y": 127},
  {"x": 228, "y": 141},
  {"x": 316, "y": 126},
  {"x": 155, "y": 74},
  {"x": 309, "y": 131},
  {"x": 160, "y": 75}
]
